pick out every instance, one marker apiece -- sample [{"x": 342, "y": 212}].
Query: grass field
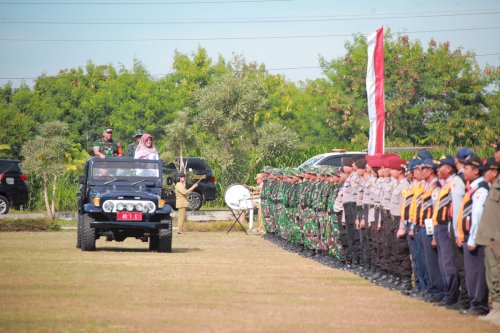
[{"x": 212, "y": 282}]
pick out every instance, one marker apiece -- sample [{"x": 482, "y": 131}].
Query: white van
[{"x": 334, "y": 158}]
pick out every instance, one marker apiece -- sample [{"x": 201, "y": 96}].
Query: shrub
[{"x": 29, "y": 224}]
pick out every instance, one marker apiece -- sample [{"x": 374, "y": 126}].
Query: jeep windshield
[{"x": 124, "y": 170}]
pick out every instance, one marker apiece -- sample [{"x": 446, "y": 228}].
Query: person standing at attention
[{"x": 181, "y": 200}]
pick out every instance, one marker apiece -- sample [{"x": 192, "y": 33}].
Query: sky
[{"x": 287, "y": 36}]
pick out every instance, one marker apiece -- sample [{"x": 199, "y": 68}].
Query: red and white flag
[{"x": 375, "y": 91}]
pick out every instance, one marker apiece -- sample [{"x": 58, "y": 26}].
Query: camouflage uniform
[{"x": 108, "y": 147}]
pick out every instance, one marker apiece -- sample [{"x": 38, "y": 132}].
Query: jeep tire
[
  {"x": 79, "y": 232},
  {"x": 88, "y": 234},
  {"x": 165, "y": 238},
  {"x": 153, "y": 242}
]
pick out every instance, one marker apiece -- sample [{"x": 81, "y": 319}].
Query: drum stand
[{"x": 237, "y": 214}]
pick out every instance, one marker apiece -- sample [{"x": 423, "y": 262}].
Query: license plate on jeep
[{"x": 129, "y": 216}]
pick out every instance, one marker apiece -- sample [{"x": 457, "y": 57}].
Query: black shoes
[{"x": 474, "y": 312}]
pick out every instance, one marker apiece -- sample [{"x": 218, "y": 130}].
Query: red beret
[
  {"x": 374, "y": 161},
  {"x": 394, "y": 162}
]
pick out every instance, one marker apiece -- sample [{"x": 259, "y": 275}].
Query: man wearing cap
[
  {"x": 409, "y": 229},
  {"x": 425, "y": 210},
  {"x": 469, "y": 219},
  {"x": 488, "y": 235},
  {"x": 131, "y": 147},
  {"x": 106, "y": 147},
  {"x": 457, "y": 194},
  {"x": 181, "y": 200},
  {"x": 442, "y": 218}
]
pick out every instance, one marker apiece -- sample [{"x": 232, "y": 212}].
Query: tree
[
  {"x": 226, "y": 110},
  {"x": 45, "y": 156},
  {"x": 179, "y": 134},
  {"x": 435, "y": 95}
]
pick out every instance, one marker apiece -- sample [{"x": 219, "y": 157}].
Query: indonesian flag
[{"x": 375, "y": 91}]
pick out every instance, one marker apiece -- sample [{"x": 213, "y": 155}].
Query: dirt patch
[{"x": 212, "y": 282}]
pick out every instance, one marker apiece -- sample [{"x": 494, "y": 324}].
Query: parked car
[
  {"x": 13, "y": 188},
  {"x": 334, "y": 158},
  {"x": 197, "y": 170},
  {"x": 123, "y": 197}
]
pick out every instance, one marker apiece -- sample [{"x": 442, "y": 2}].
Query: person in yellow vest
[
  {"x": 181, "y": 200},
  {"x": 443, "y": 218},
  {"x": 469, "y": 218}
]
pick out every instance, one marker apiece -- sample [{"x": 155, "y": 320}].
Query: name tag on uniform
[{"x": 429, "y": 227}]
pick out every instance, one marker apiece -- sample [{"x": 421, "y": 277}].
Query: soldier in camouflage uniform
[
  {"x": 106, "y": 146},
  {"x": 131, "y": 147}
]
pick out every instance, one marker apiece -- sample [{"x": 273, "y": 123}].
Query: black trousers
[
  {"x": 400, "y": 252},
  {"x": 458, "y": 256},
  {"x": 353, "y": 252}
]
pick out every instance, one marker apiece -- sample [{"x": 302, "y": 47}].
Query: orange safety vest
[
  {"x": 425, "y": 209},
  {"x": 465, "y": 213},
  {"x": 443, "y": 211},
  {"x": 407, "y": 200},
  {"x": 415, "y": 202}
]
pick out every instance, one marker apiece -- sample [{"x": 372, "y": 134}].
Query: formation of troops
[{"x": 428, "y": 227}]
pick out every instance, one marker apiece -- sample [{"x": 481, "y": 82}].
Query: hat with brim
[
  {"x": 428, "y": 163},
  {"x": 108, "y": 129},
  {"x": 446, "y": 160},
  {"x": 473, "y": 160},
  {"x": 491, "y": 164},
  {"x": 137, "y": 133},
  {"x": 463, "y": 153},
  {"x": 423, "y": 155}
]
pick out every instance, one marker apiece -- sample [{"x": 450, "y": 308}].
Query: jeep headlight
[
  {"x": 150, "y": 207},
  {"x": 129, "y": 206},
  {"x": 108, "y": 206},
  {"x": 139, "y": 207},
  {"x": 120, "y": 206}
]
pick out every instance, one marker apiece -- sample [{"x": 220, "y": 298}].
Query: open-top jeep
[{"x": 123, "y": 197}]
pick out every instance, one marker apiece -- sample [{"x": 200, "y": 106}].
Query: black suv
[
  {"x": 123, "y": 197},
  {"x": 13, "y": 188},
  {"x": 197, "y": 170}
]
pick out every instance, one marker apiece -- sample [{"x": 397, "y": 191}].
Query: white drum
[{"x": 238, "y": 197}]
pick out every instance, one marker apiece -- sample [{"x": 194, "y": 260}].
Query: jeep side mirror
[
  {"x": 170, "y": 181},
  {"x": 81, "y": 180}
]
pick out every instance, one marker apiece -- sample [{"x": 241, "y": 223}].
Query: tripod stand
[{"x": 237, "y": 214}]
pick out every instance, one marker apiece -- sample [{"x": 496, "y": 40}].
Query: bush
[{"x": 29, "y": 224}]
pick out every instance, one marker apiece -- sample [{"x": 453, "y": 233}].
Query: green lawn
[{"x": 212, "y": 282}]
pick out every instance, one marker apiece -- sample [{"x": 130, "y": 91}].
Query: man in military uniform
[
  {"x": 106, "y": 146},
  {"x": 131, "y": 147},
  {"x": 488, "y": 234}
]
